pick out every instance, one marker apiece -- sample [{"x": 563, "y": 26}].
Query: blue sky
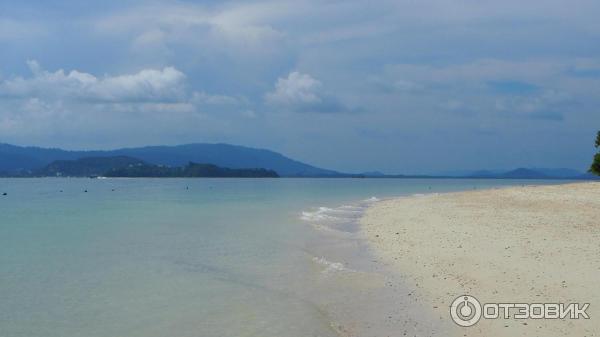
[{"x": 397, "y": 86}]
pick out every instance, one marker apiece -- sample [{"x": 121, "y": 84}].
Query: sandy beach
[{"x": 532, "y": 244}]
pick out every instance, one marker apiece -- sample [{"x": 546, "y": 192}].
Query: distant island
[
  {"x": 86, "y": 167},
  {"x": 123, "y": 166},
  {"x": 25, "y": 160},
  {"x": 18, "y": 160},
  {"x": 191, "y": 170},
  {"x": 211, "y": 160}
]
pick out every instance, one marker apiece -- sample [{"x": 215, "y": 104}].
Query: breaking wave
[{"x": 331, "y": 266}]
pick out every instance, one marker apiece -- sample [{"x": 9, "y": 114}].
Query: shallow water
[{"x": 201, "y": 257}]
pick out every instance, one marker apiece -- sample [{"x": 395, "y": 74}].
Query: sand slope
[{"x": 519, "y": 244}]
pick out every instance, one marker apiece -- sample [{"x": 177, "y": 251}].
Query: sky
[{"x": 419, "y": 86}]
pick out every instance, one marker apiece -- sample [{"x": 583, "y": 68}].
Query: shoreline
[
  {"x": 530, "y": 244},
  {"x": 358, "y": 296}
]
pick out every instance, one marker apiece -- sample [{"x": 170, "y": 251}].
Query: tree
[{"x": 595, "y": 168}]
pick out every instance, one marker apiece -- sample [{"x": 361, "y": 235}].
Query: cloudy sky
[{"x": 398, "y": 86}]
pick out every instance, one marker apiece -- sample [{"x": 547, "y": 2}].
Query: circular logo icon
[{"x": 465, "y": 310}]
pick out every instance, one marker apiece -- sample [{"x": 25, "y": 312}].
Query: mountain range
[
  {"x": 527, "y": 173},
  {"x": 14, "y": 159},
  {"x": 17, "y": 160}
]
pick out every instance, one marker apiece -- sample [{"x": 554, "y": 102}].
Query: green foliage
[
  {"x": 142, "y": 171},
  {"x": 595, "y": 168},
  {"x": 191, "y": 170},
  {"x": 121, "y": 166},
  {"x": 88, "y": 166},
  {"x": 209, "y": 170}
]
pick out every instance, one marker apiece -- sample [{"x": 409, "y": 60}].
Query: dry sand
[{"x": 534, "y": 244}]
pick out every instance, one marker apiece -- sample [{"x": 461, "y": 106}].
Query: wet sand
[{"x": 533, "y": 244}]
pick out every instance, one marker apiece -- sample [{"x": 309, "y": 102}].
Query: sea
[{"x": 204, "y": 257}]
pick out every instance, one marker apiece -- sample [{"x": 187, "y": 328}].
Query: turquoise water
[{"x": 190, "y": 257}]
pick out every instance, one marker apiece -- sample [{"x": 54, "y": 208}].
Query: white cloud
[
  {"x": 148, "y": 85},
  {"x": 57, "y": 103},
  {"x": 532, "y": 89},
  {"x": 225, "y": 27},
  {"x": 296, "y": 89},
  {"x": 300, "y": 92},
  {"x": 149, "y": 90}
]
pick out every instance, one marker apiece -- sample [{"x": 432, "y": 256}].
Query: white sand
[{"x": 520, "y": 244}]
